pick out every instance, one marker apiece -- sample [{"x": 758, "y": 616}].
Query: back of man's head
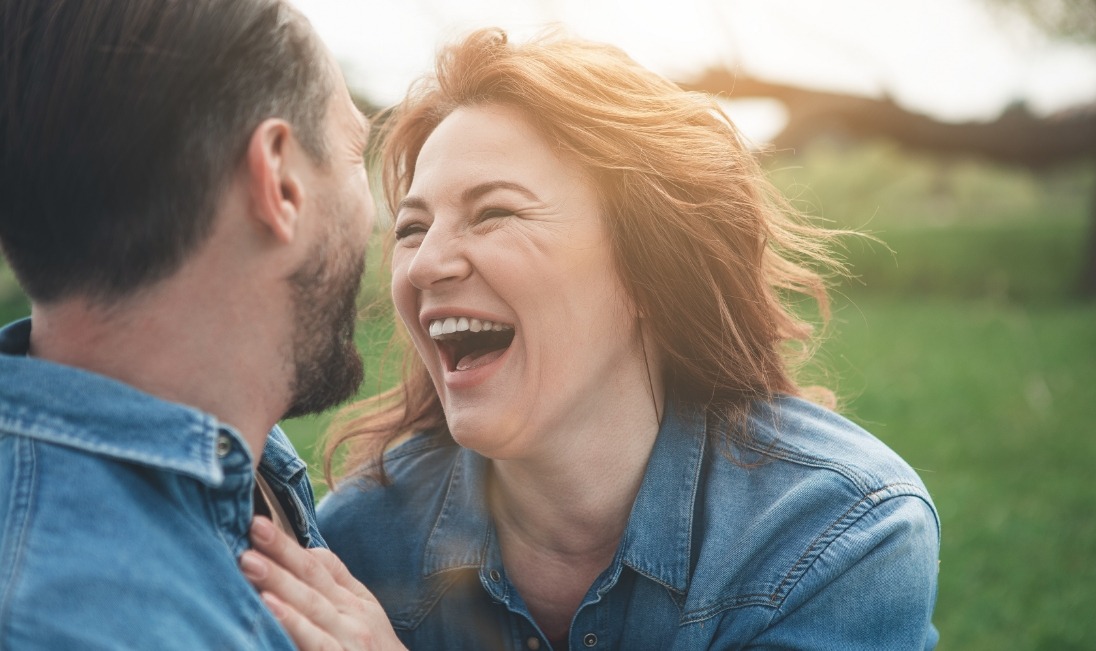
[{"x": 122, "y": 121}]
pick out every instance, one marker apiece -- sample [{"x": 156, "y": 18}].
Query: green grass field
[
  {"x": 993, "y": 404},
  {"x": 965, "y": 351}
]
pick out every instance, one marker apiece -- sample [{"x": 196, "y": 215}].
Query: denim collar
[
  {"x": 459, "y": 537},
  {"x": 658, "y": 542},
  {"x": 79, "y": 409},
  {"x": 661, "y": 519}
]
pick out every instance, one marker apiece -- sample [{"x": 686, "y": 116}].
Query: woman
[{"x": 607, "y": 447}]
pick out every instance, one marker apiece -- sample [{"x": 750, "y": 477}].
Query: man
[{"x": 183, "y": 199}]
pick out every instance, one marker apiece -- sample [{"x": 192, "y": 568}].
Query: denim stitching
[
  {"x": 54, "y": 431},
  {"x": 832, "y": 533},
  {"x": 16, "y": 553},
  {"x": 775, "y": 599}
]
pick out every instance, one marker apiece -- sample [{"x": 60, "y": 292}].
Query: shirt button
[
  {"x": 589, "y": 639},
  {"x": 495, "y": 576},
  {"x": 224, "y": 445},
  {"x": 533, "y": 643}
]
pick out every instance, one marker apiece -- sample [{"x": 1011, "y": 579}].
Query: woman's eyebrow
[
  {"x": 412, "y": 202},
  {"x": 477, "y": 191}
]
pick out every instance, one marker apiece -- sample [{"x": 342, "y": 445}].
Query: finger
[
  {"x": 341, "y": 575},
  {"x": 306, "y": 635},
  {"x": 269, "y": 577},
  {"x": 284, "y": 551},
  {"x": 369, "y": 633},
  {"x": 280, "y": 548},
  {"x": 318, "y": 587}
]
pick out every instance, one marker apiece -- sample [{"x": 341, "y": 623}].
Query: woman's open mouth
[{"x": 467, "y": 343}]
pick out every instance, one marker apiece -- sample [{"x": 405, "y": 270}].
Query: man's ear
[{"x": 273, "y": 176}]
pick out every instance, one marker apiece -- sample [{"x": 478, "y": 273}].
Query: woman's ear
[{"x": 274, "y": 182}]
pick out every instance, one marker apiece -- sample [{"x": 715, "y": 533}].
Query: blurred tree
[
  {"x": 1073, "y": 20},
  {"x": 1016, "y": 137}
]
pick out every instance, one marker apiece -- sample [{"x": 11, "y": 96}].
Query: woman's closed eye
[
  {"x": 409, "y": 229},
  {"x": 494, "y": 213},
  {"x": 412, "y": 230}
]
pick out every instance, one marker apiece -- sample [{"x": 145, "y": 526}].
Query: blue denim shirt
[
  {"x": 824, "y": 539},
  {"x": 122, "y": 515}
]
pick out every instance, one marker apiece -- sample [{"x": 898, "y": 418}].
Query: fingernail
[
  {"x": 275, "y": 606},
  {"x": 262, "y": 530},
  {"x": 252, "y": 565}
]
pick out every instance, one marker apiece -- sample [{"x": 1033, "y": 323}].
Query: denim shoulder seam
[
  {"x": 814, "y": 551},
  {"x": 777, "y": 451},
  {"x": 775, "y": 600},
  {"x": 20, "y": 508}
]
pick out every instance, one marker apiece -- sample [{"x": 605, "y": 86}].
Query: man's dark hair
[{"x": 121, "y": 122}]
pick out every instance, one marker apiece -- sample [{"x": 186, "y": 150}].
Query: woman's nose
[{"x": 439, "y": 258}]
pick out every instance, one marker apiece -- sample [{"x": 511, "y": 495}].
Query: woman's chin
[{"x": 488, "y": 439}]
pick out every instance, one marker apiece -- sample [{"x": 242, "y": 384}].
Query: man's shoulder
[
  {"x": 76, "y": 513},
  {"x": 72, "y": 407},
  {"x": 100, "y": 553}
]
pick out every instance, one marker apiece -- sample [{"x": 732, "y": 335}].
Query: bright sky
[{"x": 949, "y": 58}]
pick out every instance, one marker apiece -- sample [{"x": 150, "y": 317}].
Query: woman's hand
[{"x": 313, "y": 595}]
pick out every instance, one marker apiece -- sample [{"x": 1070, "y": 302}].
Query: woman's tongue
[{"x": 478, "y": 358}]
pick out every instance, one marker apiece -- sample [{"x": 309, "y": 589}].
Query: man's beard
[{"x": 327, "y": 368}]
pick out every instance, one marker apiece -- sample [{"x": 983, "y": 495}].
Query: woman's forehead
[{"x": 485, "y": 142}]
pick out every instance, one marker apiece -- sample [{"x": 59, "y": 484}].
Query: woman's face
[{"x": 503, "y": 275}]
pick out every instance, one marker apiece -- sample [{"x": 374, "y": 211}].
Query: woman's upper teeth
[{"x": 439, "y": 327}]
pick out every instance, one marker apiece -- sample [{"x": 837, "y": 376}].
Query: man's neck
[{"x": 177, "y": 346}]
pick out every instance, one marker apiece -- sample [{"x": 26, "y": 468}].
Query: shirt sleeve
[{"x": 873, "y": 586}]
